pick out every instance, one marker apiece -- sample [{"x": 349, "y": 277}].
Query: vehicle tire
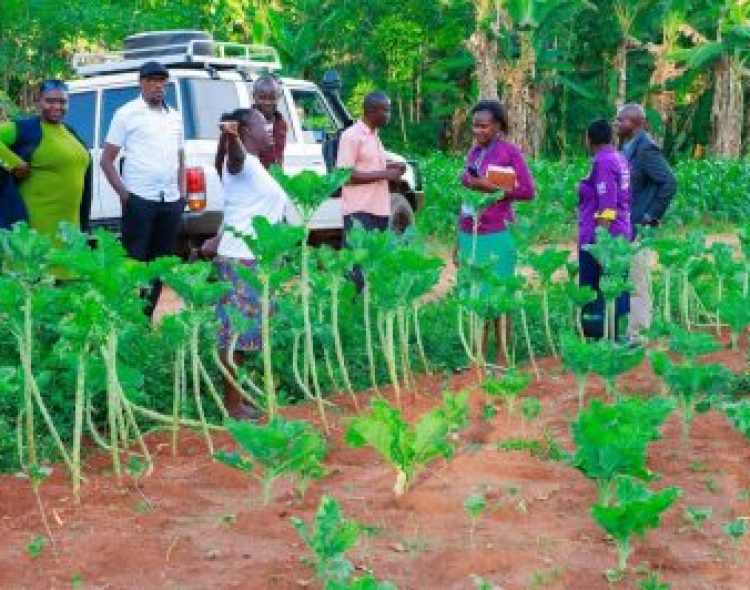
[
  {"x": 136, "y": 44},
  {"x": 402, "y": 215}
]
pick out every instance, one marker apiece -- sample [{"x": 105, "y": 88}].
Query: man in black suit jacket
[{"x": 652, "y": 188}]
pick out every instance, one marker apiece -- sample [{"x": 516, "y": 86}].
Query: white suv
[{"x": 208, "y": 78}]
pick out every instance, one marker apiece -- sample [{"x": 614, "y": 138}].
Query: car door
[
  {"x": 311, "y": 119},
  {"x": 81, "y": 117}
]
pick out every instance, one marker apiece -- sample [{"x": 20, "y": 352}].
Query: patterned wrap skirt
[{"x": 243, "y": 298}]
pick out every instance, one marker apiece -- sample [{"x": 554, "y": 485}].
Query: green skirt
[{"x": 498, "y": 247}]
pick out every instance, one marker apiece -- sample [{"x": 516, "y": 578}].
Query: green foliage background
[{"x": 416, "y": 50}]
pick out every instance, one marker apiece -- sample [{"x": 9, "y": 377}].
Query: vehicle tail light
[{"x": 195, "y": 182}]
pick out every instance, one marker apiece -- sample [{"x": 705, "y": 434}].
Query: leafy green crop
[
  {"x": 282, "y": 447},
  {"x": 637, "y": 510},
  {"x": 613, "y": 440},
  {"x": 691, "y": 384},
  {"x": 330, "y": 537},
  {"x": 507, "y": 387},
  {"x": 408, "y": 449}
]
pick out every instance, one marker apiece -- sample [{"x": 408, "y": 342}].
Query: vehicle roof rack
[{"x": 195, "y": 53}]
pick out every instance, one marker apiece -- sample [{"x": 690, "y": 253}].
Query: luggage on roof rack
[{"x": 178, "y": 49}]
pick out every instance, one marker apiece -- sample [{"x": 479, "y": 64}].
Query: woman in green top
[{"x": 52, "y": 181}]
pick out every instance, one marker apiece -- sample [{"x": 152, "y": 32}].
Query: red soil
[{"x": 207, "y": 528}]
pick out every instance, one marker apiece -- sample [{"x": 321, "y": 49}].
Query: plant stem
[
  {"x": 368, "y": 337},
  {"x": 212, "y": 389},
  {"x": 108, "y": 352},
  {"x": 403, "y": 333},
  {"x": 157, "y": 417},
  {"x": 339, "y": 349},
  {"x": 390, "y": 356},
  {"x": 418, "y": 336},
  {"x": 309, "y": 347},
  {"x": 462, "y": 335},
  {"x": 194, "y": 360},
  {"x": 179, "y": 361},
  {"x": 527, "y": 336},
  {"x": 547, "y": 323},
  {"x": 80, "y": 396},
  {"x": 266, "y": 343},
  {"x": 230, "y": 377},
  {"x": 25, "y": 351},
  {"x": 623, "y": 552}
]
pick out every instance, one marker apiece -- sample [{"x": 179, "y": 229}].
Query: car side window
[
  {"x": 203, "y": 102},
  {"x": 315, "y": 117},
  {"x": 114, "y": 98},
  {"x": 283, "y": 107},
  {"x": 82, "y": 114}
]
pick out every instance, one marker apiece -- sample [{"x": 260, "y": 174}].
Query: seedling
[
  {"x": 735, "y": 311},
  {"x": 507, "y": 388},
  {"x": 609, "y": 360},
  {"x": 36, "y": 545},
  {"x": 653, "y": 582},
  {"x": 695, "y": 518},
  {"x": 282, "y": 447},
  {"x": 330, "y": 537},
  {"x": 736, "y": 529},
  {"x": 691, "y": 383},
  {"x": 531, "y": 408},
  {"x": 577, "y": 357},
  {"x": 407, "y": 449},
  {"x": 637, "y": 510},
  {"x": 474, "y": 505},
  {"x": 711, "y": 486}
]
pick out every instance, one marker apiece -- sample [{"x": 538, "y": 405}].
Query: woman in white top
[{"x": 249, "y": 191}]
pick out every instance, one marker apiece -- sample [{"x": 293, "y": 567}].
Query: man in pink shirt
[{"x": 367, "y": 197}]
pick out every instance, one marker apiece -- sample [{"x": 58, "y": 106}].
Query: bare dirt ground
[{"x": 196, "y": 524}]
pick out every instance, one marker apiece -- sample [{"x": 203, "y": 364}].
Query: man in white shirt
[{"x": 152, "y": 186}]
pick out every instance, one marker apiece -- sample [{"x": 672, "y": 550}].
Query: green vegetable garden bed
[{"x": 507, "y": 508}]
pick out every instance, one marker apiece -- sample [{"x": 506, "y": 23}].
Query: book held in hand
[{"x": 503, "y": 177}]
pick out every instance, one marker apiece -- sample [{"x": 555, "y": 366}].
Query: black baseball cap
[{"x": 153, "y": 69}]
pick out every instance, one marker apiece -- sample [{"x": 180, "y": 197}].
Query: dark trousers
[
  {"x": 590, "y": 273},
  {"x": 149, "y": 230},
  {"x": 369, "y": 222}
]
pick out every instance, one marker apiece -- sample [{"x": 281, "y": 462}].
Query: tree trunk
[
  {"x": 727, "y": 109},
  {"x": 621, "y": 67},
  {"x": 524, "y": 100},
  {"x": 483, "y": 47},
  {"x": 484, "y": 51}
]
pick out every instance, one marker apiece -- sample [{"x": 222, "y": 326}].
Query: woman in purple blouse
[
  {"x": 603, "y": 201},
  {"x": 494, "y": 242}
]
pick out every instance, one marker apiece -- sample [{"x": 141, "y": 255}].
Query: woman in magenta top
[{"x": 494, "y": 242}]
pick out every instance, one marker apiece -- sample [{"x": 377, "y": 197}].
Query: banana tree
[{"x": 723, "y": 58}]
